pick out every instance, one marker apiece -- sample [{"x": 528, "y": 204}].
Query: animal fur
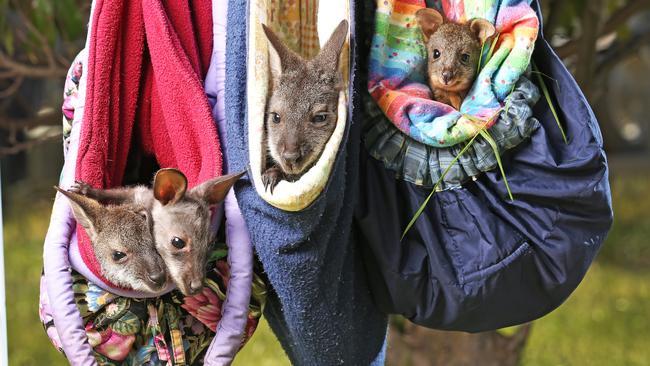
[
  {"x": 121, "y": 236},
  {"x": 301, "y": 112},
  {"x": 179, "y": 216},
  {"x": 453, "y": 52}
]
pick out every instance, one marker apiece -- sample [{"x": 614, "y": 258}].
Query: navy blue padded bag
[{"x": 476, "y": 261}]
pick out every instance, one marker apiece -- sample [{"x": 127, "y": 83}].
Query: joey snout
[
  {"x": 301, "y": 111},
  {"x": 447, "y": 76},
  {"x": 293, "y": 157},
  {"x": 157, "y": 278},
  {"x": 195, "y": 286},
  {"x": 190, "y": 283}
]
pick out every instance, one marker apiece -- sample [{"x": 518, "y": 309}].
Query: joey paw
[
  {"x": 271, "y": 177},
  {"x": 80, "y": 187}
]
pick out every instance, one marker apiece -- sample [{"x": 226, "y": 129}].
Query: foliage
[
  {"x": 41, "y": 32},
  {"x": 604, "y": 323}
]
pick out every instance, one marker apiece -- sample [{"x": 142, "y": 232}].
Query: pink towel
[{"x": 146, "y": 63}]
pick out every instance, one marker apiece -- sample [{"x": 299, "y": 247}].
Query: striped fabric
[
  {"x": 295, "y": 22},
  {"x": 397, "y": 69},
  {"x": 423, "y": 165}
]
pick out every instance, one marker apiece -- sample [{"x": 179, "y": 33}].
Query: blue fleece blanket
[
  {"x": 321, "y": 307},
  {"x": 474, "y": 261}
]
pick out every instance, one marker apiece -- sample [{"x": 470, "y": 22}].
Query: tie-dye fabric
[{"x": 397, "y": 70}]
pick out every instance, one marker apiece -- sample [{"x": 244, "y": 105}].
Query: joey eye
[
  {"x": 275, "y": 118},
  {"x": 436, "y": 54},
  {"x": 118, "y": 256},
  {"x": 319, "y": 118},
  {"x": 178, "y": 242},
  {"x": 464, "y": 58},
  {"x": 143, "y": 214}
]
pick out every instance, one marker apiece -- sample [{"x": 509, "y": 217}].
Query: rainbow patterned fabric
[{"x": 397, "y": 69}]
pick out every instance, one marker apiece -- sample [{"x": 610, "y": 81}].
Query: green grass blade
[
  {"x": 444, "y": 173},
  {"x": 492, "y": 47},
  {"x": 480, "y": 57},
  {"x": 481, "y": 64},
  {"x": 433, "y": 191},
  {"x": 486, "y": 135},
  {"x": 547, "y": 95},
  {"x": 509, "y": 102}
]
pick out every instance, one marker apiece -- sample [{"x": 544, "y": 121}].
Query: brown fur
[
  {"x": 453, "y": 51},
  {"x": 123, "y": 229},
  {"x": 176, "y": 214},
  {"x": 304, "y": 97}
]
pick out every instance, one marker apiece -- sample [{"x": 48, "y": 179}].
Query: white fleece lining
[{"x": 291, "y": 196}]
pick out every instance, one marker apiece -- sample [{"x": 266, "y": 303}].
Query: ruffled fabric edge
[{"x": 423, "y": 165}]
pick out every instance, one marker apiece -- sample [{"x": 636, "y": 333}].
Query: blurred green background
[{"x": 605, "y": 43}]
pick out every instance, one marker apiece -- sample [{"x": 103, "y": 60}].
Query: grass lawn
[{"x": 606, "y": 321}]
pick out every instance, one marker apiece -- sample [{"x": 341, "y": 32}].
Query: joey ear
[
  {"x": 429, "y": 21},
  {"x": 86, "y": 210},
  {"x": 215, "y": 190},
  {"x": 169, "y": 185},
  {"x": 331, "y": 52},
  {"x": 145, "y": 214},
  {"x": 280, "y": 56},
  {"x": 482, "y": 29}
]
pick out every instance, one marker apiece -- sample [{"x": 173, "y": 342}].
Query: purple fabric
[
  {"x": 56, "y": 255},
  {"x": 58, "y": 280},
  {"x": 216, "y": 78},
  {"x": 230, "y": 330}
]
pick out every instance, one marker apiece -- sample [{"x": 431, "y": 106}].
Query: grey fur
[
  {"x": 176, "y": 213},
  {"x": 126, "y": 229},
  {"x": 302, "y": 92}
]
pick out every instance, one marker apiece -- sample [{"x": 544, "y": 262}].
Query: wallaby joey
[
  {"x": 453, "y": 52},
  {"x": 301, "y": 112},
  {"x": 181, "y": 220},
  {"x": 122, "y": 239}
]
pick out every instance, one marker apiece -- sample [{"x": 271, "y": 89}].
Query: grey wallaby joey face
[
  {"x": 182, "y": 224},
  {"x": 453, "y": 52},
  {"x": 121, "y": 236},
  {"x": 301, "y": 112}
]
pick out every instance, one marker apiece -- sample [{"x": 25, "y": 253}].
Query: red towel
[{"x": 147, "y": 61}]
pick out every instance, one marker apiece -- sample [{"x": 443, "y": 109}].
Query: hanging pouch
[
  {"x": 476, "y": 260},
  {"x": 299, "y": 194}
]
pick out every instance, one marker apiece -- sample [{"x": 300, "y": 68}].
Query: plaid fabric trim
[{"x": 423, "y": 165}]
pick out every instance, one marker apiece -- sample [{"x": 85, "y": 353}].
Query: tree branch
[
  {"x": 15, "y": 85},
  {"x": 22, "y": 146},
  {"x": 15, "y": 69},
  {"x": 620, "y": 52},
  {"x": 586, "y": 50},
  {"x": 554, "y": 9},
  {"x": 618, "y": 18},
  {"x": 48, "y": 119},
  {"x": 18, "y": 68},
  {"x": 45, "y": 45}
]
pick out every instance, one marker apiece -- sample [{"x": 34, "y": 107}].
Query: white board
[{"x": 4, "y": 356}]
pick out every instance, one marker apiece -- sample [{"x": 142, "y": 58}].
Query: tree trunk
[
  {"x": 418, "y": 346},
  {"x": 590, "y": 24}
]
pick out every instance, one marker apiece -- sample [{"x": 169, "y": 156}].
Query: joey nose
[
  {"x": 447, "y": 76},
  {"x": 157, "y": 278},
  {"x": 291, "y": 156},
  {"x": 195, "y": 287}
]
